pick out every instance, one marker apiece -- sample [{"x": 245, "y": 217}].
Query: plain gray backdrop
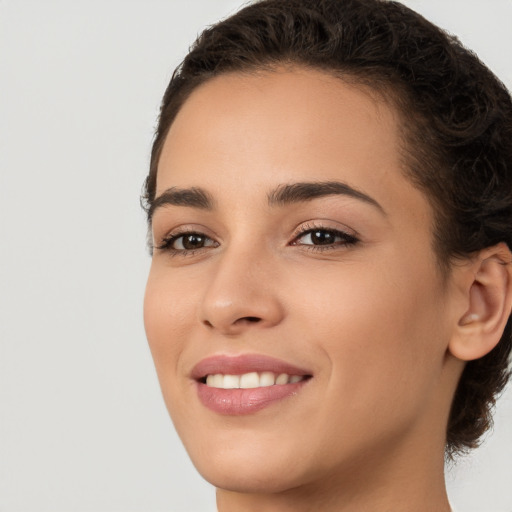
[{"x": 82, "y": 423}]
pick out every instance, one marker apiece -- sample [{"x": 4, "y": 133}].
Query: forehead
[{"x": 247, "y": 133}]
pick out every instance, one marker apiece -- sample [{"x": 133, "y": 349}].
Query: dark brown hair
[{"x": 456, "y": 120}]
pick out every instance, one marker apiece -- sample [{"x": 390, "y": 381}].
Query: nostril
[
  {"x": 251, "y": 319},
  {"x": 239, "y": 322}
]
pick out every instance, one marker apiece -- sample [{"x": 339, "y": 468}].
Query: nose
[{"x": 242, "y": 294}]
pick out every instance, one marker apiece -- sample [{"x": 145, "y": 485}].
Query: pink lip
[
  {"x": 244, "y": 401},
  {"x": 238, "y": 365}
]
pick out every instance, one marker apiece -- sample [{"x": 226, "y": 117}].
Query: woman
[{"x": 330, "y": 205}]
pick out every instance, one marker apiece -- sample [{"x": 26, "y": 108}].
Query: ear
[{"x": 488, "y": 299}]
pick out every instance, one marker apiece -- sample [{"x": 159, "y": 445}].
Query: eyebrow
[
  {"x": 196, "y": 197},
  {"x": 192, "y": 197},
  {"x": 301, "y": 192}
]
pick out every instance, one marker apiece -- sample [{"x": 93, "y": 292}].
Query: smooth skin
[{"x": 343, "y": 285}]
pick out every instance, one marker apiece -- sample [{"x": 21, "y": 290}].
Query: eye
[
  {"x": 186, "y": 243},
  {"x": 324, "y": 238}
]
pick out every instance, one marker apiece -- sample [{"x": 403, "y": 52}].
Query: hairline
[{"x": 389, "y": 90}]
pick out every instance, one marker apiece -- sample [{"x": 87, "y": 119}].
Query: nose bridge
[{"x": 242, "y": 291}]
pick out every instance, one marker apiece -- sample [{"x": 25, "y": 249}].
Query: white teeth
[
  {"x": 267, "y": 379},
  {"x": 215, "y": 381},
  {"x": 218, "y": 380},
  {"x": 282, "y": 379},
  {"x": 231, "y": 381},
  {"x": 250, "y": 380}
]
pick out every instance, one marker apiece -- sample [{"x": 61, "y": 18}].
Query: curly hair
[{"x": 456, "y": 120}]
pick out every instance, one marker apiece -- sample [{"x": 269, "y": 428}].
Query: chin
[
  {"x": 249, "y": 465},
  {"x": 250, "y": 478}
]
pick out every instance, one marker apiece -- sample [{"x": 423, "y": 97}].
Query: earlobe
[{"x": 489, "y": 299}]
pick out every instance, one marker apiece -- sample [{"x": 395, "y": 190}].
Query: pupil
[
  {"x": 193, "y": 241},
  {"x": 322, "y": 238}
]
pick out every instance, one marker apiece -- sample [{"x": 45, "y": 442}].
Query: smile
[
  {"x": 251, "y": 380},
  {"x": 245, "y": 384}
]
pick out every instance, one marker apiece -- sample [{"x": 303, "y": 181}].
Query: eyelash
[
  {"x": 308, "y": 229},
  {"x": 347, "y": 240},
  {"x": 167, "y": 243}
]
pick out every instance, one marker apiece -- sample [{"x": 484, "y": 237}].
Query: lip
[
  {"x": 238, "y": 365},
  {"x": 244, "y": 401}
]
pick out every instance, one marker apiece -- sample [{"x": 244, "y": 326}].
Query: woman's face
[{"x": 290, "y": 247}]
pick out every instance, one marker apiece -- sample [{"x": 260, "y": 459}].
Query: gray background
[{"x": 82, "y": 423}]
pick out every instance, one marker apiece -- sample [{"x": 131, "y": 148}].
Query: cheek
[
  {"x": 167, "y": 317},
  {"x": 380, "y": 329}
]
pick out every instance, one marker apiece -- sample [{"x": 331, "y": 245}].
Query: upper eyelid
[
  {"x": 327, "y": 229},
  {"x": 183, "y": 230},
  {"x": 303, "y": 229},
  {"x": 325, "y": 225},
  {"x": 170, "y": 238},
  {"x": 349, "y": 238}
]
